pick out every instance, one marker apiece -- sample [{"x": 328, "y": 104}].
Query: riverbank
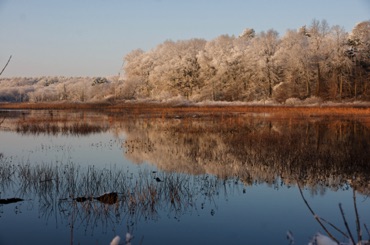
[{"x": 151, "y": 108}]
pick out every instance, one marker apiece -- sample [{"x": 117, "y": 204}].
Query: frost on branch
[{"x": 248, "y": 33}]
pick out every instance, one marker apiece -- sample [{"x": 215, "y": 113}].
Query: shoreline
[{"x": 158, "y": 107}]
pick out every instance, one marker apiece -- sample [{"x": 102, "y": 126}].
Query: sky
[{"x": 91, "y": 37}]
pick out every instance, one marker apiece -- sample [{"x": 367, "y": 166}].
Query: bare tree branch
[
  {"x": 334, "y": 227},
  {"x": 318, "y": 219},
  {"x": 358, "y": 226},
  {"x": 346, "y": 224},
  {"x": 5, "y": 65},
  {"x": 367, "y": 230}
]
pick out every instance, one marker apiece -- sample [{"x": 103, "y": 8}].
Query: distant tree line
[
  {"x": 319, "y": 60},
  {"x": 52, "y": 89},
  {"x": 314, "y": 63}
]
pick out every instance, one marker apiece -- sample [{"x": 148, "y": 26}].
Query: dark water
[{"x": 84, "y": 177}]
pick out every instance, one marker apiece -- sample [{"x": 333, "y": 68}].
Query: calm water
[{"x": 82, "y": 177}]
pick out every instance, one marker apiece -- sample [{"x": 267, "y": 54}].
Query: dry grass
[
  {"x": 55, "y": 129},
  {"x": 165, "y": 109},
  {"x": 76, "y": 192},
  {"x": 56, "y": 105}
]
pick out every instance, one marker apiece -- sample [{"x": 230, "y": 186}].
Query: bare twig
[
  {"x": 367, "y": 230},
  {"x": 316, "y": 216},
  {"x": 359, "y": 232},
  {"x": 334, "y": 227},
  {"x": 5, "y": 65},
  {"x": 346, "y": 224},
  {"x": 290, "y": 237}
]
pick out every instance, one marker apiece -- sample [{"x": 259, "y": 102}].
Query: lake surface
[{"x": 81, "y": 177}]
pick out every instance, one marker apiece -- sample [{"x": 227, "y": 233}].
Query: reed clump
[
  {"x": 92, "y": 195},
  {"x": 83, "y": 128}
]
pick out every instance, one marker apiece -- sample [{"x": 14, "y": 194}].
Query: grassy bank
[{"x": 143, "y": 108}]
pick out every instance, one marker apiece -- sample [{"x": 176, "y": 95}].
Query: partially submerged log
[
  {"x": 82, "y": 199},
  {"x": 108, "y": 198},
  {"x": 11, "y": 200}
]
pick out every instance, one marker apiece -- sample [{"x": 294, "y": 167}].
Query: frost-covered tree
[
  {"x": 137, "y": 68},
  {"x": 339, "y": 63},
  {"x": 317, "y": 60},
  {"x": 293, "y": 57},
  {"x": 265, "y": 46},
  {"x": 359, "y": 42},
  {"x": 217, "y": 67},
  {"x": 319, "y": 52},
  {"x": 242, "y": 67},
  {"x": 49, "y": 89},
  {"x": 177, "y": 68},
  {"x": 248, "y": 33},
  {"x": 312, "y": 61}
]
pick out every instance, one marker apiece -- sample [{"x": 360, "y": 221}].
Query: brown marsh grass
[
  {"x": 166, "y": 109},
  {"x": 53, "y": 129},
  {"x": 54, "y": 122}
]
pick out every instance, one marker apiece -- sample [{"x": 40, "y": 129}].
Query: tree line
[
  {"x": 313, "y": 63},
  {"x": 51, "y": 89},
  {"x": 316, "y": 60}
]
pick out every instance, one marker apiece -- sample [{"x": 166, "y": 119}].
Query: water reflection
[
  {"x": 197, "y": 159},
  {"x": 317, "y": 153},
  {"x": 104, "y": 197},
  {"x": 255, "y": 148}
]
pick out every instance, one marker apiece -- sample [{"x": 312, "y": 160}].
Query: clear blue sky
[{"x": 90, "y": 37}]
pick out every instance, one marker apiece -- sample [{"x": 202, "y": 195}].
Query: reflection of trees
[{"x": 316, "y": 152}]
